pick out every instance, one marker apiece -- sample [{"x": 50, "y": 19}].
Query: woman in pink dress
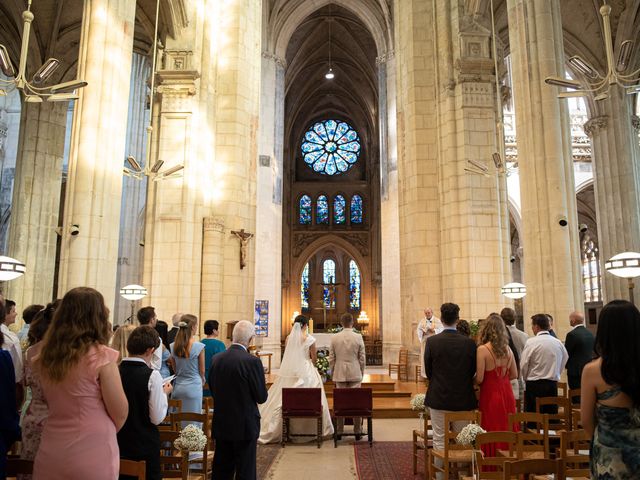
[{"x": 82, "y": 386}]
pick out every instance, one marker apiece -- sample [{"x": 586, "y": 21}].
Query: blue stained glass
[
  {"x": 354, "y": 286},
  {"x": 304, "y": 287},
  {"x": 329, "y": 276},
  {"x": 339, "y": 206},
  {"x": 356, "y": 209},
  {"x": 322, "y": 210},
  {"x": 331, "y": 147},
  {"x": 305, "y": 210}
]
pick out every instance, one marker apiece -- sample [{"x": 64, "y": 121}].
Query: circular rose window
[{"x": 331, "y": 147}]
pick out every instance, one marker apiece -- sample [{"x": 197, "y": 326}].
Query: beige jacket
[{"x": 347, "y": 356}]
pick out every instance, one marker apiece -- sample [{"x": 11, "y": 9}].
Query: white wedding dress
[{"x": 296, "y": 371}]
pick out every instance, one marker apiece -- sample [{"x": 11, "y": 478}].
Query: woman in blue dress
[
  {"x": 610, "y": 394},
  {"x": 187, "y": 356},
  {"x": 212, "y": 347}
]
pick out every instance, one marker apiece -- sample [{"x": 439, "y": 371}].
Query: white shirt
[
  {"x": 156, "y": 358},
  {"x": 543, "y": 358},
  {"x": 425, "y": 324},
  {"x": 157, "y": 398},
  {"x": 12, "y": 345}
]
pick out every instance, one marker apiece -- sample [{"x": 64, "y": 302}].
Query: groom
[
  {"x": 347, "y": 360},
  {"x": 236, "y": 380}
]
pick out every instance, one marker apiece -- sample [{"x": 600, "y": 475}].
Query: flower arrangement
[
  {"x": 475, "y": 328},
  {"x": 322, "y": 364},
  {"x": 191, "y": 438},
  {"x": 468, "y": 434},
  {"x": 338, "y": 329},
  {"x": 417, "y": 402}
]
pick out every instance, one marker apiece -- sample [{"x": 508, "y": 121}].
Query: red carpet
[{"x": 385, "y": 461}]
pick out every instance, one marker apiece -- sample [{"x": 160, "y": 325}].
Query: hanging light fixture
[
  {"x": 595, "y": 83},
  {"x": 330, "y": 75},
  {"x": 33, "y": 91}
]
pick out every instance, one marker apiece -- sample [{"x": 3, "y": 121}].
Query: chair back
[
  {"x": 450, "y": 433},
  {"x": 352, "y": 402},
  {"x": 529, "y": 468},
  {"x": 403, "y": 356},
  {"x": 509, "y": 441},
  {"x": 301, "y": 402},
  {"x": 172, "y": 463},
  {"x": 574, "y": 397},
  {"x": 175, "y": 405},
  {"x": 534, "y": 433},
  {"x": 17, "y": 466},
  {"x": 574, "y": 452},
  {"x": 563, "y": 389},
  {"x": 561, "y": 420},
  {"x": 132, "y": 468}
]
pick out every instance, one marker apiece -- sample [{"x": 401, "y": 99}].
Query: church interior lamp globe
[
  {"x": 133, "y": 292},
  {"x": 625, "y": 265},
  {"x": 10, "y": 268},
  {"x": 514, "y": 290}
]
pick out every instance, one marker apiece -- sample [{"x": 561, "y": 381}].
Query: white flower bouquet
[
  {"x": 468, "y": 434},
  {"x": 191, "y": 438},
  {"x": 417, "y": 402}
]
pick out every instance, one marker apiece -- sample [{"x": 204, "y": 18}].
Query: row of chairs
[{"x": 138, "y": 470}]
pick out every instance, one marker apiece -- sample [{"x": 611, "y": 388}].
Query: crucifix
[{"x": 244, "y": 238}]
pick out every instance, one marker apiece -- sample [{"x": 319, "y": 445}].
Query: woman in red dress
[{"x": 496, "y": 368}]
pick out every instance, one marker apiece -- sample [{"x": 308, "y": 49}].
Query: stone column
[
  {"x": 93, "y": 194},
  {"x": 36, "y": 201},
  {"x": 617, "y": 184},
  {"x": 212, "y": 263},
  {"x": 551, "y": 251}
]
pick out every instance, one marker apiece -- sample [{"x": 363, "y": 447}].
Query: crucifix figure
[{"x": 244, "y": 238}]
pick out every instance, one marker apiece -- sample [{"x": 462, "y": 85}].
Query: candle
[{"x": 311, "y": 325}]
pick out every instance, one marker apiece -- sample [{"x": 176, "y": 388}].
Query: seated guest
[
  {"x": 212, "y": 346},
  {"x": 28, "y": 314},
  {"x": 147, "y": 396},
  {"x": 9, "y": 420},
  {"x": 464, "y": 328},
  {"x": 119, "y": 340},
  {"x": 162, "y": 329}
]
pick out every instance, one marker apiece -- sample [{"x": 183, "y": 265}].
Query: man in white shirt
[
  {"x": 147, "y": 316},
  {"x": 543, "y": 359},
  {"x": 427, "y": 326},
  {"x": 11, "y": 340}
]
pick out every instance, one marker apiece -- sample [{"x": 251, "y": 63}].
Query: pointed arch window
[
  {"x": 322, "y": 210},
  {"x": 304, "y": 211},
  {"x": 354, "y": 286},
  {"x": 339, "y": 207},
  {"x": 329, "y": 277},
  {"x": 590, "y": 270},
  {"x": 304, "y": 288},
  {"x": 356, "y": 209}
]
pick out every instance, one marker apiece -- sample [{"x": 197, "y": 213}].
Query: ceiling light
[
  {"x": 157, "y": 166},
  {"x": 562, "y": 82},
  {"x": 62, "y": 97},
  {"x": 497, "y": 160},
  {"x": 68, "y": 86},
  {"x": 32, "y": 99},
  {"x": 131, "y": 160},
  {"x": 172, "y": 170},
  {"x": 573, "y": 93},
  {"x": 45, "y": 71},
  {"x": 514, "y": 290},
  {"x": 5, "y": 62},
  {"x": 583, "y": 67},
  {"x": 624, "y": 56},
  {"x": 10, "y": 268},
  {"x": 601, "y": 96},
  {"x": 329, "y": 75}
]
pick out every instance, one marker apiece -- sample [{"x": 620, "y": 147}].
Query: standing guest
[
  {"x": 175, "y": 320},
  {"x": 82, "y": 386},
  {"x": 427, "y": 326},
  {"x": 517, "y": 340},
  {"x": 9, "y": 419},
  {"x": 450, "y": 361},
  {"x": 610, "y": 394},
  {"x": 119, "y": 340},
  {"x": 551, "y": 332},
  {"x": 237, "y": 383},
  {"x": 496, "y": 366},
  {"x": 37, "y": 410},
  {"x": 147, "y": 396},
  {"x": 464, "y": 328},
  {"x": 11, "y": 342},
  {"x": 212, "y": 346},
  {"x": 147, "y": 316},
  {"x": 28, "y": 314},
  {"x": 579, "y": 345},
  {"x": 542, "y": 362},
  {"x": 161, "y": 328},
  {"x": 187, "y": 356}
]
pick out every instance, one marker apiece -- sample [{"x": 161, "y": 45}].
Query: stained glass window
[
  {"x": 304, "y": 287},
  {"x": 339, "y": 207},
  {"x": 356, "y": 209},
  {"x": 331, "y": 147},
  {"x": 322, "y": 210},
  {"x": 305, "y": 210},
  {"x": 354, "y": 286},
  {"x": 329, "y": 276}
]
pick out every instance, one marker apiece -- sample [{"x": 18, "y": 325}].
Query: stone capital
[
  {"x": 214, "y": 224},
  {"x": 593, "y": 126},
  {"x": 385, "y": 57},
  {"x": 281, "y": 62},
  {"x": 179, "y": 83},
  {"x": 635, "y": 122}
]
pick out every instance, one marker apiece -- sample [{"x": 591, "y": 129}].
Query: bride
[{"x": 296, "y": 370}]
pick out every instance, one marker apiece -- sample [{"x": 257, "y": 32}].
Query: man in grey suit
[
  {"x": 347, "y": 360},
  {"x": 579, "y": 345}
]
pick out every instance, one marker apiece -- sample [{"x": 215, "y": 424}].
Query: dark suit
[
  {"x": 171, "y": 334},
  {"x": 236, "y": 380},
  {"x": 579, "y": 345}
]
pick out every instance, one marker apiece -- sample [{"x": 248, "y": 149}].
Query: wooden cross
[{"x": 244, "y": 238}]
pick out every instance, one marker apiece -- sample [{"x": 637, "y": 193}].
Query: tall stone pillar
[
  {"x": 551, "y": 251},
  {"x": 617, "y": 184},
  {"x": 93, "y": 194},
  {"x": 36, "y": 201}
]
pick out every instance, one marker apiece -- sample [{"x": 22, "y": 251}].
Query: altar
[{"x": 323, "y": 340}]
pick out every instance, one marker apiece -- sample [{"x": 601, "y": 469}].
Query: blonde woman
[
  {"x": 495, "y": 368},
  {"x": 119, "y": 340},
  {"x": 187, "y": 358}
]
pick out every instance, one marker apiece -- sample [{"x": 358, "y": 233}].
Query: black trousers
[
  {"x": 574, "y": 381},
  {"x": 235, "y": 458},
  {"x": 540, "y": 388}
]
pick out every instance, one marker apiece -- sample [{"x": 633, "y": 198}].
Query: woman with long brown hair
[
  {"x": 187, "y": 357},
  {"x": 82, "y": 386}
]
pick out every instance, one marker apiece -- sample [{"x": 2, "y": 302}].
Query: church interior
[{"x": 259, "y": 159}]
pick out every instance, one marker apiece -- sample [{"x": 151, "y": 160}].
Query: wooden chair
[
  {"x": 172, "y": 463},
  {"x": 402, "y": 367},
  {"x": 301, "y": 403},
  {"x": 198, "y": 464},
  {"x": 133, "y": 468},
  {"x": 17, "y": 466},
  {"x": 528, "y": 469},
  {"x": 174, "y": 406},
  {"x": 496, "y": 462},
  {"x": 422, "y": 442},
  {"x": 563, "y": 389},
  {"x": 533, "y": 440},
  {"x": 574, "y": 453},
  {"x": 453, "y": 453},
  {"x": 353, "y": 403},
  {"x": 574, "y": 397},
  {"x": 557, "y": 421}
]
